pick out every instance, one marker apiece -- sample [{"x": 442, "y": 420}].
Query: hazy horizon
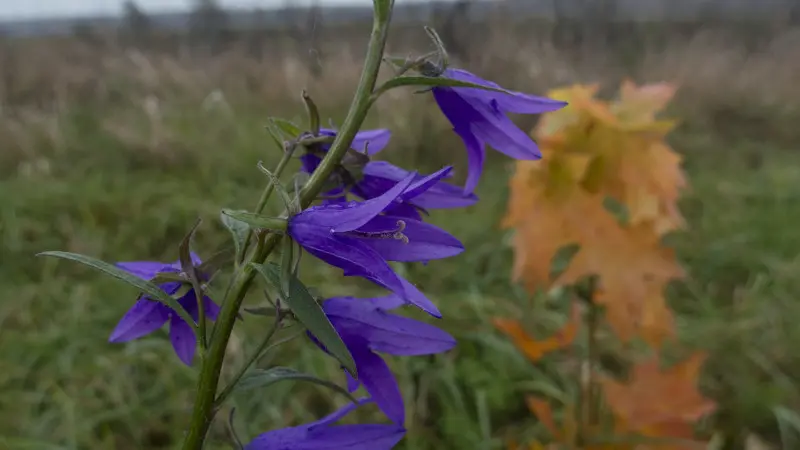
[{"x": 42, "y": 9}]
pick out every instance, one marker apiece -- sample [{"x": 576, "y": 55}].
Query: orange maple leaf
[
  {"x": 660, "y": 403},
  {"x": 595, "y": 149},
  {"x": 633, "y": 270},
  {"x": 632, "y": 266},
  {"x": 535, "y": 349}
]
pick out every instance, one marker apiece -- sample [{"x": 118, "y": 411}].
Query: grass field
[{"x": 122, "y": 177}]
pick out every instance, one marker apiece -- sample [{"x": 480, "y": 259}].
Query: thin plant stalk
[{"x": 203, "y": 412}]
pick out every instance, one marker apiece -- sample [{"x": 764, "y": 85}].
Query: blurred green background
[{"x": 115, "y": 141}]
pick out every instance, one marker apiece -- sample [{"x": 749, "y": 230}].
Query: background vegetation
[{"x": 114, "y": 142}]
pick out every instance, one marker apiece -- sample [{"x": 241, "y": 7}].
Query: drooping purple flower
[
  {"x": 147, "y": 315},
  {"x": 380, "y": 176},
  {"x": 366, "y": 327},
  {"x": 368, "y": 142},
  {"x": 323, "y": 435},
  {"x": 359, "y": 239},
  {"x": 479, "y": 117}
]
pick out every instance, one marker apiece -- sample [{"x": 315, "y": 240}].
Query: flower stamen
[{"x": 396, "y": 233}]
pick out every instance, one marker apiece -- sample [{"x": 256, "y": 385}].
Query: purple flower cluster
[{"x": 361, "y": 236}]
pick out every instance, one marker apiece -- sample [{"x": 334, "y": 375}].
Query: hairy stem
[{"x": 203, "y": 412}]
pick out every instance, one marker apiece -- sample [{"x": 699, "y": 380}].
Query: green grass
[{"x": 64, "y": 387}]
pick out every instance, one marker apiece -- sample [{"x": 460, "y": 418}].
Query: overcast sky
[{"x": 24, "y": 9}]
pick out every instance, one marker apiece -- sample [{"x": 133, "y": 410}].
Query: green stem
[
  {"x": 201, "y": 317},
  {"x": 253, "y": 358},
  {"x": 203, "y": 412},
  {"x": 267, "y": 193}
]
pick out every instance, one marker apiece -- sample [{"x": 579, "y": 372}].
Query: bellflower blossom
[
  {"x": 379, "y": 176},
  {"x": 479, "y": 118},
  {"x": 323, "y": 435},
  {"x": 147, "y": 315},
  {"x": 366, "y": 327},
  {"x": 368, "y": 142},
  {"x": 358, "y": 239}
]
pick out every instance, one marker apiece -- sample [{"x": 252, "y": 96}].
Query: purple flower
[
  {"x": 479, "y": 118},
  {"x": 380, "y": 176},
  {"x": 323, "y": 435},
  {"x": 358, "y": 239},
  {"x": 368, "y": 142},
  {"x": 147, "y": 315},
  {"x": 366, "y": 327}
]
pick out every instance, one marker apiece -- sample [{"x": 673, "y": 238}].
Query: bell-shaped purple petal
[
  {"x": 479, "y": 117},
  {"x": 143, "y": 269},
  {"x": 368, "y": 141},
  {"x": 310, "y": 162},
  {"x": 377, "y": 379},
  {"x": 147, "y": 315},
  {"x": 511, "y": 101},
  {"x": 385, "y": 332},
  {"x": 323, "y": 435},
  {"x": 348, "y": 217},
  {"x": 366, "y": 327},
  {"x": 379, "y": 176},
  {"x": 183, "y": 339},
  {"x": 358, "y": 239},
  {"x": 142, "y": 319},
  {"x": 425, "y": 242},
  {"x": 476, "y": 155}
]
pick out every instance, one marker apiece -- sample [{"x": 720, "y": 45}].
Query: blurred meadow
[{"x": 115, "y": 141}]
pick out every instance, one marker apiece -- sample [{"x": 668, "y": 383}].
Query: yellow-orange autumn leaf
[
  {"x": 660, "y": 403},
  {"x": 535, "y": 349},
  {"x": 627, "y": 158},
  {"x": 633, "y": 270},
  {"x": 592, "y": 150}
]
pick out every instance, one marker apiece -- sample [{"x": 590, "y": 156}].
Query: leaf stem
[{"x": 203, "y": 412}]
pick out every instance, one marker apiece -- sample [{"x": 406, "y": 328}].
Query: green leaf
[
  {"x": 185, "y": 254},
  {"x": 152, "y": 290},
  {"x": 287, "y": 127},
  {"x": 257, "y": 220},
  {"x": 313, "y": 113},
  {"x": 239, "y": 231},
  {"x": 260, "y": 378},
  {"x": 275, "y": 134},
  {"x": 310, "y": 314},
  {"x": 433, "y": 82},
  {"x": 287, "y": 201}
]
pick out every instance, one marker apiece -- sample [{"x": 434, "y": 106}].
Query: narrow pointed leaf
[
  {"x": 310, "y": 314},
  {"x": 239, "y": 231},
  {"x": 313, "y": 113},
  {"x": 185, "y": 254},
  {"x": 287, "y": 201},
  {"x": 275, "y": 134},
  {"x": 261, "y": 378},
  {"x": 257, "y": 220},
  {"x": 287, "y": 127},
  {"x": 152, "y": 290}
]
